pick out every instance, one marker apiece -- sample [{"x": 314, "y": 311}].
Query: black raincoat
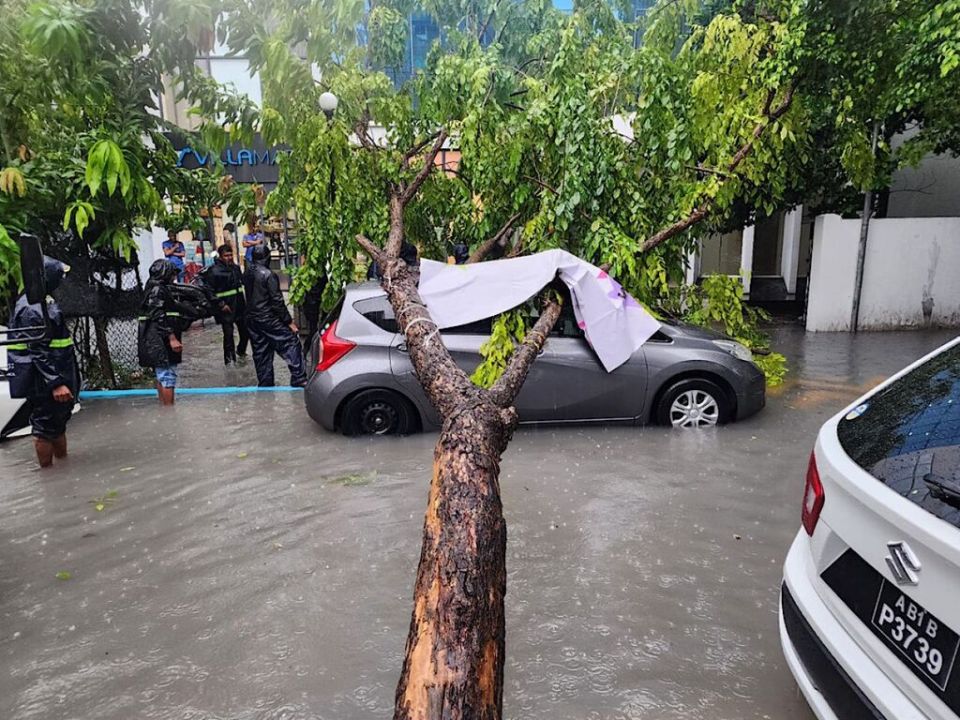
[
  {"x": 225, "y": 281},
  {"x": 168, "y": 308},
  {"x": 268, "y": 322},
  {"x": 40, "y": 367},
  {"x": 157, "y": 321}
]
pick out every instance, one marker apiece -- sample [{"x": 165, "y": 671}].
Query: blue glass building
[{"x": 423, "y": 31}]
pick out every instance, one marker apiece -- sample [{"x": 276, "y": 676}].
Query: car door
[
  {"x": 568, "y": 383},
  {"x": 462, "y": 342},
  {"x": 403, "y": 373}
]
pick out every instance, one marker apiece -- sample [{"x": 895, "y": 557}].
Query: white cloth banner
[{"x": 614, "y": 323}]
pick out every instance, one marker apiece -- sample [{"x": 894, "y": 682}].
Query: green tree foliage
[
  {"x": 596, "y": 131},
  {"x": 885, "y": 63},
  {"x": 82, "y": 144},
  {"x": 583, "y": 137}
]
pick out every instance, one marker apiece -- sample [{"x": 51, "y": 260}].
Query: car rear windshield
[{"x": 908, "y": 435}]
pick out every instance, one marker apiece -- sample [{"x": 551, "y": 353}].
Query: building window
[
  {"x": 236, "y": 72},
  {"x": 423, "y": 33}
]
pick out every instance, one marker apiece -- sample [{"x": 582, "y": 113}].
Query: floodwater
[{"x": 247, "y": 565}]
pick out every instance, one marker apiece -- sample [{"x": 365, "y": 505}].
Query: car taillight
[
  {"x": 813, "y": 497},
  {"x": 332, "y": 348}
]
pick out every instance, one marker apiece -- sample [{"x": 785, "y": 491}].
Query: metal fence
[{"x": 100, "y": 302}]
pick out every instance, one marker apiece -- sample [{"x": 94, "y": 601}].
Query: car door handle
[{"x": 402, "y": 347}]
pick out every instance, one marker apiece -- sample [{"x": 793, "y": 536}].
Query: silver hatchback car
[{"x": 362, "y": 382}]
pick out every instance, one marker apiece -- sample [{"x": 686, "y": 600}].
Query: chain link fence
[{"x": 100, "y": 300}]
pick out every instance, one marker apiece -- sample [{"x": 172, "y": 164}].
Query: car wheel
[
  {"x": 377, "y": 412},
  {"x": 694, "y": 403}
]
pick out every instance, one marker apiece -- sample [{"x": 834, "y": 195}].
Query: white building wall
[{"x": 911, "y": 274}]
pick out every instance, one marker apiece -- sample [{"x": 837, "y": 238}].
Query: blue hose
[{"x": 144, "y": 392}]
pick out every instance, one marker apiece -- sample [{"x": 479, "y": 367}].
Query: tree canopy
[
  {"x": 83, "y": 150},
  {"x": 591, "y": 132}
]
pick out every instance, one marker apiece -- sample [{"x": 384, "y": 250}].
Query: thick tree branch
[
  {"x": 707, "y": 171},
  {"x": 517, "y": 249},
  {"x": 771, "y": 114},
  {"x": 362, "y": 130},
  {"x": 487, "y": 245},
  {"x": 376, "y": 253},
  {"x": 446, "y": 385},
  {"x": 678, "y": 227},
  {"x": 395, "y": 236},
  {"x": 541, "y": 183},
  {"x": 411, "y": 190},
  {"x": 417, "y": 149},
  {"x": 506, "y": 389},
  {"x": 483, "y": 30}
]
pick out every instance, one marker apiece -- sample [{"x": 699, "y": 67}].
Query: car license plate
[{"x": 928, "y": 645}]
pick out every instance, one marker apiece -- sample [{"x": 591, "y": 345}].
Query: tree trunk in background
[
  {"x": 453, "y": 667},
  {"x": 103, "y": 350}
]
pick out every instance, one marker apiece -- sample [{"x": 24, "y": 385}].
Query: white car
[
  {"x": 870, "y": 602},
  {"x": 13, "y": 412}
]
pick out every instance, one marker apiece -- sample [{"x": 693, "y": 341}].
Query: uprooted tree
[{"x": 609, "y": 138}]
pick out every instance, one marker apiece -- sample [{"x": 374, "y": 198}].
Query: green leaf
[{"x": 96, "y": 162}]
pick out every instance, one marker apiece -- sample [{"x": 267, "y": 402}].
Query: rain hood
[{"x": 614, "y": 323}]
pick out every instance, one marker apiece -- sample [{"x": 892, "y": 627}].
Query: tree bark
[
  {"x": 491, "y": 242},
  {"x": 453, "y": 664},
  {"x": 453, "y": 668},
  {"x": 103, "y": 350}
]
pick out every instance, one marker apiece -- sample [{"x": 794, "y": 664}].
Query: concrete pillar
[
  {"x": 790, "y": 248},
  {"x": 746, "y": 258},
  {"x": 832, "y": 272},
  {"x": 693, "y": 264}
]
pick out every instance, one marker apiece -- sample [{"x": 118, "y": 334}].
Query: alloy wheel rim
[{"x": 693, "y": 409}]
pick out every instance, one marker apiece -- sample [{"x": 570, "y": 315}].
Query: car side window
[
  {"x": 378, "y": 311},
  {"x": 480, "y": 327},
  {"x": 566, "y": 325}
]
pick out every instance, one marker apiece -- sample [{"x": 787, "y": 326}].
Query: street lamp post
[{"x": 328, "y": 104}]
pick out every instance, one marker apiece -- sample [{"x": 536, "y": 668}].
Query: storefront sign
[{"x": 253, "y": 163}]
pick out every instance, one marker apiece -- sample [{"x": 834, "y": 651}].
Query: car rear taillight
[
  {"x": 813, "y": 497},
  {"x": 332, "y": 348}
]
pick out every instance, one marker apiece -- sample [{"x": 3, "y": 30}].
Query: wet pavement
[
  {"x": 203, "y": 361},
  {"x": 248, "y": 565}
]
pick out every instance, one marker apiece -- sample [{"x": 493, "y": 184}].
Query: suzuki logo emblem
[{"x": 903, "y": 564}]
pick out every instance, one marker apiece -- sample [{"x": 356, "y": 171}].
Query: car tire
[
  {"x": 378, "y": 412},
  {"x": 694, "y": 402}
]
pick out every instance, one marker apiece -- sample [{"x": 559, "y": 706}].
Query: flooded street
[{"x": 248, "y": 565}]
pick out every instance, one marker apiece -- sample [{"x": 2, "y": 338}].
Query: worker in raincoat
[
  {"x": 158, "y": 332},
  {"x": 45, "y": 371},
  {"x": 269, "y": 324},
  {"x": 226, "y": 281}
]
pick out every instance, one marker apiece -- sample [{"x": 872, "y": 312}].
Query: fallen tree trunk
[
  {"x": 453, "y": 668},
  {"x": 453, "y": 665}
]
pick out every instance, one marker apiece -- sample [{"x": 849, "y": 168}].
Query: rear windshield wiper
[{"x": 944, "y": 490}]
